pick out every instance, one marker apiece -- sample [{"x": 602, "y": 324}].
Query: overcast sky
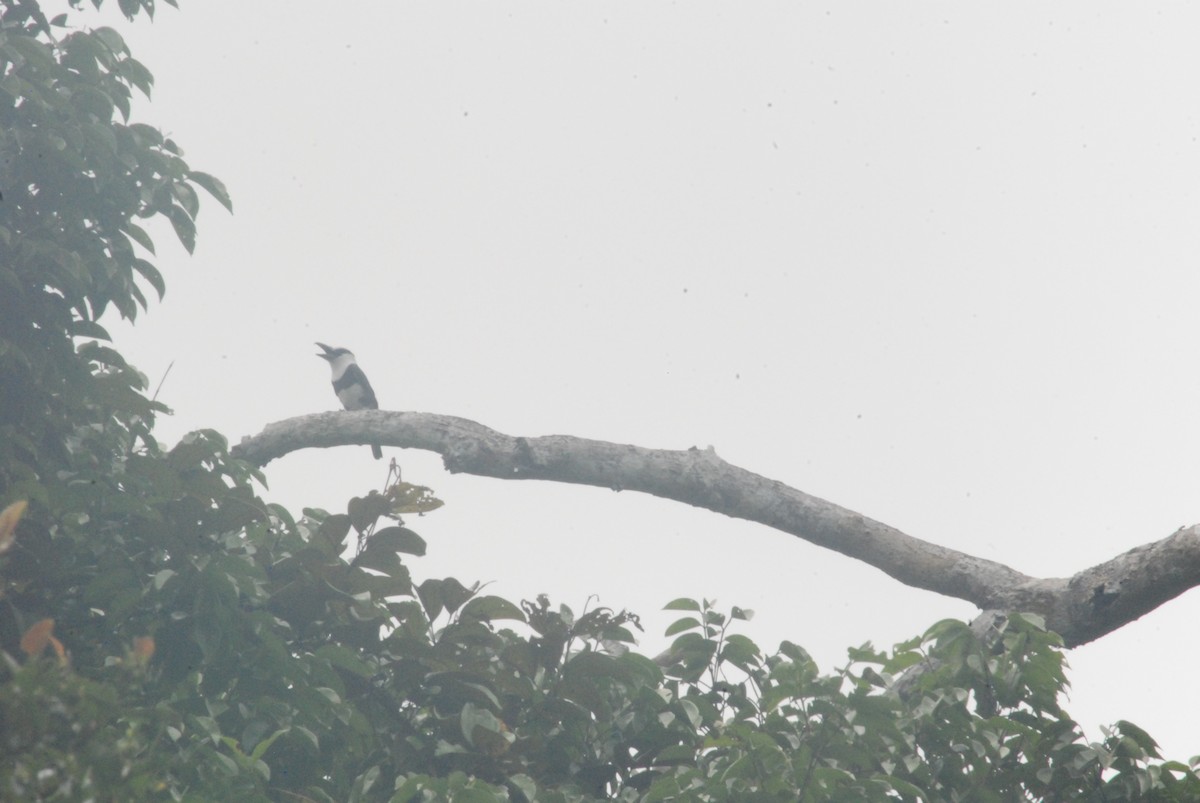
[{"x": 933, "y": 262}]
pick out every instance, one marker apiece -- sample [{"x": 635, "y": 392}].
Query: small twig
[{"x": 160, "y": 382}]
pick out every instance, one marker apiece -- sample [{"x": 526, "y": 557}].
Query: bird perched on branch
[{"x": 350, "y": 384}]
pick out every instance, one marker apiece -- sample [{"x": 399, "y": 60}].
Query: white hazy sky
[{"x": 934, "y": 262}]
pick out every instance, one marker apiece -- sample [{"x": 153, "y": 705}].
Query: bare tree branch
[{"x": 1095, "y": 601}]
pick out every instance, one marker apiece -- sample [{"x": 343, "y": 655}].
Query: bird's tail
[{"x": 375, "y": 450}]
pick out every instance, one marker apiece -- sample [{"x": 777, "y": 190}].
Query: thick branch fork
[{"x": 1081, "y": 608}]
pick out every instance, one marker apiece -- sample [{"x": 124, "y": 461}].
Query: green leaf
[
  {"x": 35, "y": 52},
  {"x": 680, "y": 625},
  {"x": 866, "y": 653},
  {"x": 213, "y": 186},
  {"x": 382, "y": 560},
  {"x": 111, "y": 39},
  {"x": 185, "y": 227},
  {"x": 525, "y": 784},
  {"x": 682, "y": 604},
  {"x": 101, "y": 136},
  {"x": 136, "y": 73},
  {"x": 1036, "y": 621},
  {"x": 263, "y": 746},
  {"x": 208, "y": 726},
  {"x": 94, "y": 101},
  {"x": 1138, "y": 736},
  {"x": 121, "y": 101},
  {"x": 363, "y": 783},
  {"x": 345, "y": 658},
  {"x": 147, "y": 136},
  {"x": 335, "y": 528},
  {"x": 365, "y": 511},
  {"x": 308, "y": 735},
  {"x": 664, "y": 788},
  {"x": 86, "y": 328},
  {"x": 397, "y": 539},
  {"x": 741, "y": 652},
  {"x": 138, "y": 235},
  {"x": 408, "y": 498},
  {"x": 151, "y": 274},
  {"x": 472, "y": 717},
  {"x": 103, "y": 355},
  {"x": 438, "y": 595},
  {"x": 488, "y": 608},
  {"x": 186, "y": 196}
]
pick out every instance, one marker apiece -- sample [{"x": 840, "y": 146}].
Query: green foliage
[
  {"x": 76, "y": 177},
  {"x": 168, "y": 635},
  {"x": 282, "y": 667},
  {"x": 980, "y": 722}
]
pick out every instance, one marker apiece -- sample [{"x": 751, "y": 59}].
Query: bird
[{"x": 350, "y": 384}]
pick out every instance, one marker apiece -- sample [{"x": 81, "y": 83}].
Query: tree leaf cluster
[{"x": 77, "y": 182}]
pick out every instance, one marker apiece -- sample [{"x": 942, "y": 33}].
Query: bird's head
[{"x": 330, "y": 354}]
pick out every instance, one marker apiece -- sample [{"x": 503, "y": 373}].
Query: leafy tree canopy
[{"x": 168, "y": 635}]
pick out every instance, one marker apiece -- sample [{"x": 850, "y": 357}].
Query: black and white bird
[{"x": 350, "y": 384}]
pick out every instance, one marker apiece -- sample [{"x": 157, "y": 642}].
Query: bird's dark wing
[{"x": 365, "y": 398}]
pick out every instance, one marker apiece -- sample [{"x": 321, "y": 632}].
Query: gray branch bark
[{"x": 1081, "y": 608}]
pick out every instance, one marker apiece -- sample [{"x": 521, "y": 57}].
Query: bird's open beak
[{"x": 324, "y": 348}]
